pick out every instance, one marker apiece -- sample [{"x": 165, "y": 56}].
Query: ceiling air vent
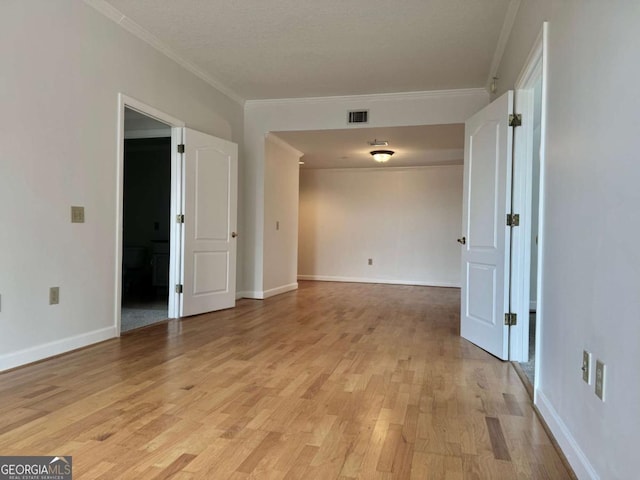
[{"x": 358, "y": 116}]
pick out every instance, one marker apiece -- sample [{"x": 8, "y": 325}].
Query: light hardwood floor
[{"x": 331, "y": 381}]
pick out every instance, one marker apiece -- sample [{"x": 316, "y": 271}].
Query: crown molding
[
  {"x": 280, "y": 142},
  {"x": 125, "y": 22},
  {"x": 505, "y": 33},
  {"x": 109, "y": 11},
  {"x": 376, "y": 97}
]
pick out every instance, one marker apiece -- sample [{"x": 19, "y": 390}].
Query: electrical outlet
[
  {"x": 586, "y": 367},
  {"x": 600, "y": 379},
  {"x": 54, "y": 295},
  {"x": 370, "y": 262},
  {"x": 77, "y": 214}
]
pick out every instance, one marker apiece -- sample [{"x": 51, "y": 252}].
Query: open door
[
  {"x": 210, "y": 178},
  {"x": 486, "y": 237}
]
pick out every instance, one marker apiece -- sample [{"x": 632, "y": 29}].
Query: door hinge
[
  {"x": 180, "y": 218},
  {"x": 181, "y": 148},
  {"x": 179, "y": 288},
  {"x": 515, "y": 120},
  {"x": 513, "y": 220},
  {"x": 510, "y": 319}
]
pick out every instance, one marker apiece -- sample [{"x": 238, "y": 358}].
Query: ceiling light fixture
[{"x": 381, "y": 156}]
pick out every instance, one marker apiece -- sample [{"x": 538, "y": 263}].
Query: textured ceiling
[
  {"x": 302, "y": 48},
  {"x": 413, "y": 146}
]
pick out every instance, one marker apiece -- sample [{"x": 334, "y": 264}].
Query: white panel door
[
  {"x": 210, "y": 175},
  {"x": 485, "y": 253}
]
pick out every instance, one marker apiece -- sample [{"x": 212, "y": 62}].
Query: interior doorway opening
[
  {"x": 365, "y": 221},
  {"x": 528, "y": 366},
  {"x": 146, "y": 221},
  {"x": 528, "y": 238}
]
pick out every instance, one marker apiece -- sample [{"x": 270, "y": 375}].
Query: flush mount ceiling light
[{"x": 381, "y": 156}]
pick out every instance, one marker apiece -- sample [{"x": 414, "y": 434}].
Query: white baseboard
[
  {"x": 39, "y": 352},
  {"x": 278, "y": 290},
  {"x": 330, "y": 278},
  {"x": 261, "y": 295},
  {"x": 253, "y": 294},
  {"x": 575, "y": 456}
]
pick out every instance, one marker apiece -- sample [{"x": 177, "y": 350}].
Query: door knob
[
  {"x": 462, "y": 240},
  {"x": 234, "y": 234}
]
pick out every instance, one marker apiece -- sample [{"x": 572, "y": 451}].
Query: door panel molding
[
  {"x": 210, "y": 183},
  {"x": 486, "y": 202}
]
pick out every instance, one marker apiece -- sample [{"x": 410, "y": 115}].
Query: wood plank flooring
[{"x": 333, "y": 381}]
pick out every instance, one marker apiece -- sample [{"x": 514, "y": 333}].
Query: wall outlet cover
[
  {"x": 54, "y": 295},
  {"x": 77, "y": 214}
]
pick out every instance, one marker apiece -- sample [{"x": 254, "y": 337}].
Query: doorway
[
  {"x": 146, "y": 215},
  {"x": 365, "y": 221},
  {"x": 519, "y": 185},
  {"x": 202, "y": 220},
  {"x": 528, "y": 240},
  {"x": 528, "y": 366},
  {"x": 144, "y": 132}
]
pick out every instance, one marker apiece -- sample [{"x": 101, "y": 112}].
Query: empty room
[{"x": 319, "y": 240}]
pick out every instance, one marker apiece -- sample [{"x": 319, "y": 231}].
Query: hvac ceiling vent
[{"x": 358, "y": 116}]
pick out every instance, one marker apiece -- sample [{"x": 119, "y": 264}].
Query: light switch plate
[
  {"x": 586, "y": 367},
  {"x": 77, "y": 214},
  {"x": 600, "y": 379}
]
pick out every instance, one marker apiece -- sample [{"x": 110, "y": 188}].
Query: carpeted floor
[
  {"x": 530, "y": 366},
  {"x": 136, "y": 315}
]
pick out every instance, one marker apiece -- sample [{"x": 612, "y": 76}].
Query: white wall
[
  {"x": 590, "y": 226},
  {"x": 280, "y": 217},
  {"x": 405, "y": 219},
  {"x": 63, "y": 64},
  {"x": 264, "y": 116}
]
